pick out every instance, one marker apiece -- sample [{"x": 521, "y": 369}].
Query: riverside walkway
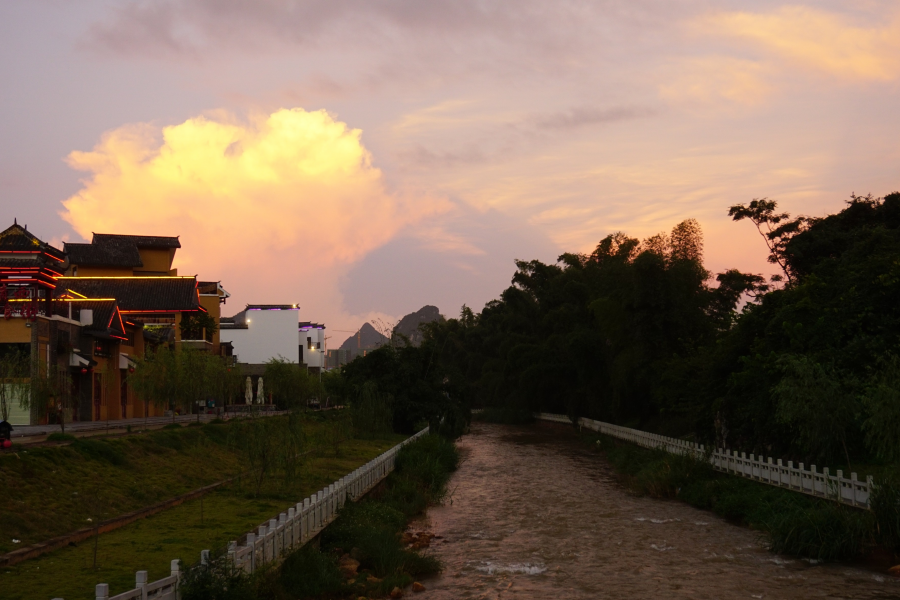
[{"x": 534, "y": 514}]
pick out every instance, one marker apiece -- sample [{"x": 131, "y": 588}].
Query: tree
[
  {"x": 197, "y": 326},
  {"x": 776, "y": 229},
  {"x": 51, "y": 393},
  {"x": 172, "y": 379},
  {"x": 881, "y": 396},
  {"x": 289, "y": 383},
  {"x": 14, "y": 381},
  {"x": 813, "y": 399},
  {"x": 371, "y": 412}
]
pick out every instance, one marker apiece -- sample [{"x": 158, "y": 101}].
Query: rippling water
[{"x": 535, "y": 515}]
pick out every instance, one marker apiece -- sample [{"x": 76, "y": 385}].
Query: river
[{"x": 535, "y": 514}]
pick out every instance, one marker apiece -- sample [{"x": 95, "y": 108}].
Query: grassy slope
[
  {"x": 152, "y": 543},
  {"x": 368, "y": 530},
  {"x": 104, "y": 478}
]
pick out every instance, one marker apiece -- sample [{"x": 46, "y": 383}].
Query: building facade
[{"x": 83, "y": 316}]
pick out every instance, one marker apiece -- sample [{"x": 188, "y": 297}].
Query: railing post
[
  {"x": 292, "y": 523},
  {"x": 232, "y": 555},
  {"x": 140, "y": 583},
  {"x": 251, "y": 542},
  {"x": 102, "y": 591},
  {"x": 175, "y": 571}
]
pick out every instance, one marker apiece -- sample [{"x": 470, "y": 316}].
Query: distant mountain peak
[
  {"x": 366, "y": 338},
  {"x": 409, "y": 325}
]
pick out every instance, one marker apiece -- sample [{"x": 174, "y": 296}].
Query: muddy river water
[{"x": 534, "y": 514}]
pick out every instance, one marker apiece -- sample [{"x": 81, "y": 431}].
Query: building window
[{"x": 101, "y": 348}]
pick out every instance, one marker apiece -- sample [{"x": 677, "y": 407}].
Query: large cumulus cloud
[{"x": 268, "y": 204}]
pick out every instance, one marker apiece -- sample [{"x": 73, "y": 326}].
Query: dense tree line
[{"x": 639, "y": 332}]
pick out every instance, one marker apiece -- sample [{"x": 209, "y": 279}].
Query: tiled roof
[
  {"x": 139, "y": 241},
  {"x": 106, "y": 318},
  {"x": 138, "y": 294},
  {"x": 17, "y": 239},
  {"x": 105, "y": 255}
]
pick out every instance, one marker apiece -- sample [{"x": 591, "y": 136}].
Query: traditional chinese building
[{"x": 89, "y": 312}]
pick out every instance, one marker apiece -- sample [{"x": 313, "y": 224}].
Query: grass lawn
[{"x": 151, "y": 544}]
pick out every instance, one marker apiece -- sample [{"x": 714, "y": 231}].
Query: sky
[{"x": 364, "y": 158}]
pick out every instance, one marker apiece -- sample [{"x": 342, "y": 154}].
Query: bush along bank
[
  {"x": 363, "y": 553},
  {"x": 793, "y": 524}
]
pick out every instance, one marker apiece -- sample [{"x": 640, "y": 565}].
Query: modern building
[
  {"x": 312, "y": 346},
  {"x": 262, "y": 332}
]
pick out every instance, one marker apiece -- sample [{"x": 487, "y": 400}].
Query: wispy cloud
[
  {"x": 581, "y": 116},
  {"x": 712, "y": 80},
  {"x": 825, "y": 41}
]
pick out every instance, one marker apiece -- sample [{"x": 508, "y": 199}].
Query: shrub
[
  {"x": 218, "y": 581},
  {"x": 309, "y": 573},
  {"x": 885, "y": 504},
  {"x": 60, "y": 437}
]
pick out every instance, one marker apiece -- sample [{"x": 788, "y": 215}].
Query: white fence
[
  {"x": 289, "y": 531},
  {"x": 821, "y": 484}
]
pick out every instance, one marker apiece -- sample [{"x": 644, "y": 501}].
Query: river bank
[
  {"x": 535, "y": 514},
  {"x": 123, "y": 465},
  {"x": 363, "y": 553}
]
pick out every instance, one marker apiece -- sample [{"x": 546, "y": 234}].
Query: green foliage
[
  {"x": 198, "y": 326},
  {"x": 793, "y": 524},
  {"x": 371, "y": 413},
  {"x": 15, "y": 369},
  {"x": 270, "y": 447},
  {"x": 60, "y": 437},
  {"x": 885, "y": 504},
  {"x": 217, "y": 581},
  {"x": 881, "y": 397},
  {"x": 309, "y": 573},
  {"x": 639, "y": 333},
  {"x": 813, "y": 400},
  {"x": 824, "y": 531},
  {"x": 289, "y": 384},
  {"x": 413, "y": 380},
  {"x": 368, "y": 530},
  {"x": 172, "y": 379},
  {"x": 100, "y": 450}
]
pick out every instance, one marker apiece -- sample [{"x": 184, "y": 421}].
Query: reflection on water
[{"x": 534, "y": 515}]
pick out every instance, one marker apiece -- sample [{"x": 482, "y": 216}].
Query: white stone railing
[
  {"x": 765, "y": 470},
  {"x": 287, "y": 532}
]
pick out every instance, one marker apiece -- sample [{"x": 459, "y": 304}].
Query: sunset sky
[{"x": 367, "y": 157}]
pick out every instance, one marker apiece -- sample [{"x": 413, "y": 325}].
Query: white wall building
[
  {"x": 312, "y": 344},
  {"x": 262, "y": 332}
]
